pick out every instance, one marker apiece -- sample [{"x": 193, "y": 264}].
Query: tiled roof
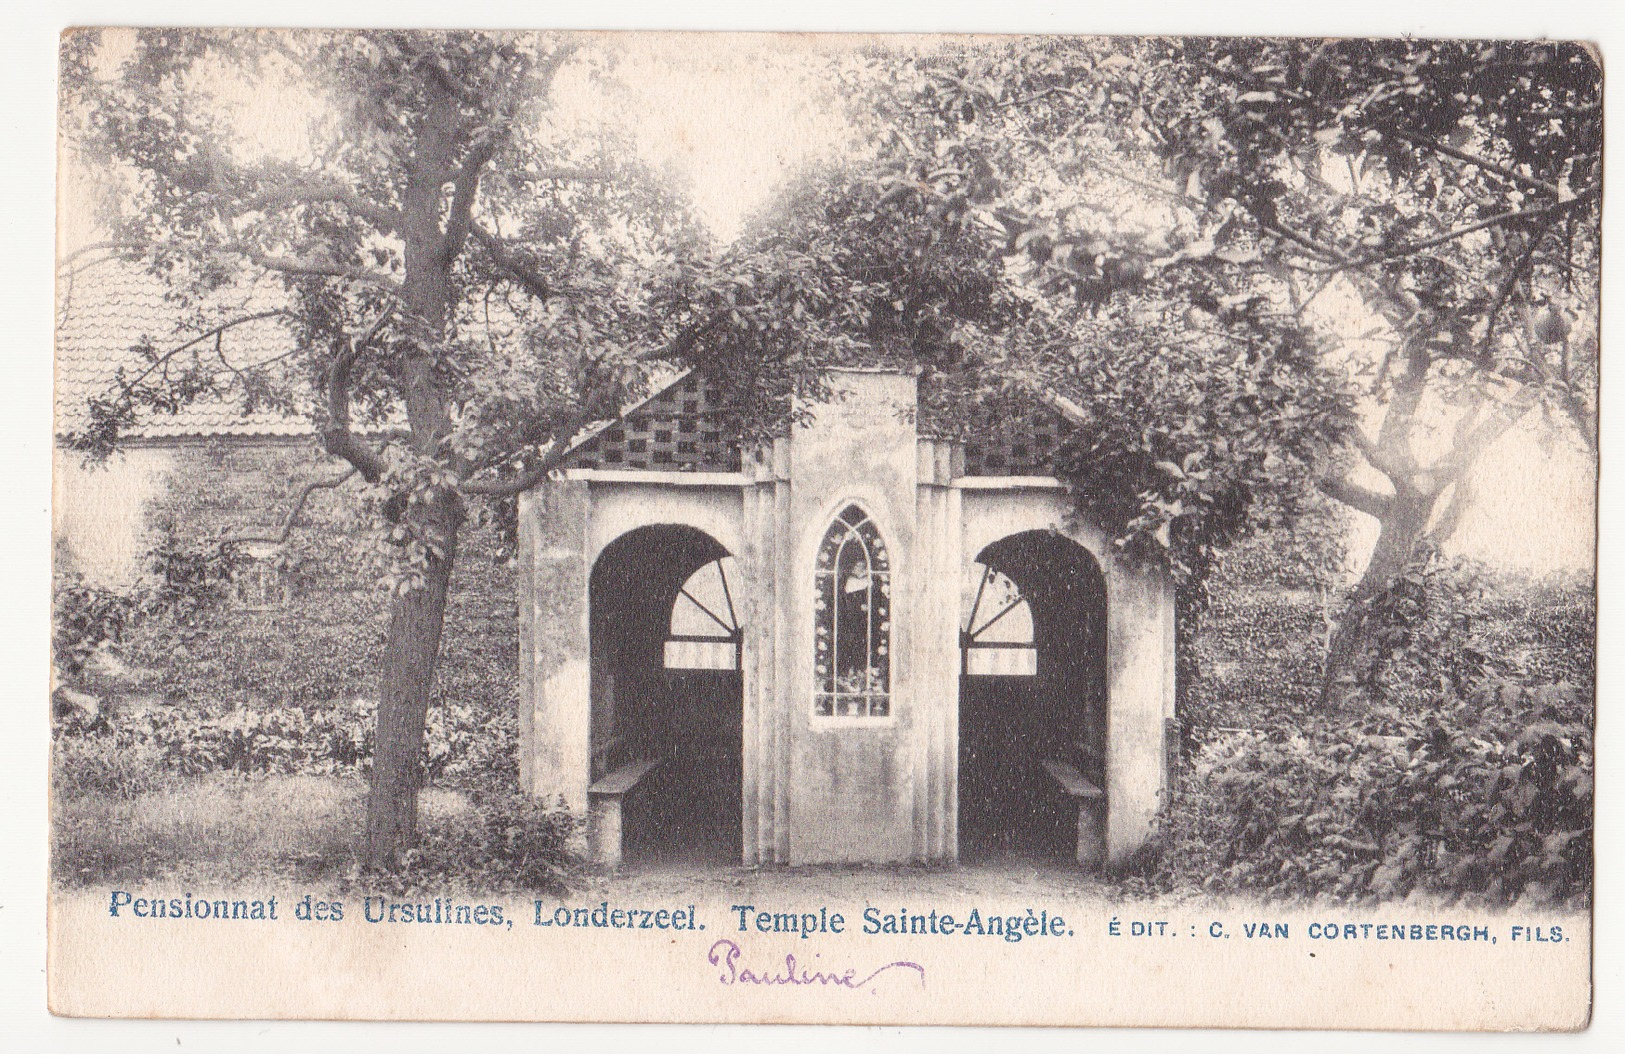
[{"x": 106, "y": 309}]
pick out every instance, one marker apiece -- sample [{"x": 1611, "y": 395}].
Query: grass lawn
[
  {"x": 224, "y": 828},
  {"x": 299, "y": 830}
]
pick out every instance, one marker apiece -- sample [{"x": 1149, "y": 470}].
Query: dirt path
[{"x": 876, "y": 885}]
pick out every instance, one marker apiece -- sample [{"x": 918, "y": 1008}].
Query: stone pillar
[
  {"x": 751, "y": 696},
  {"x": 849, "y": 791},
  {"x": 938, "y": 546},
  {"x": 765, "y": 502},
  {"x": 555, "y": 686},
  {"x": 1139, "y": 622}
]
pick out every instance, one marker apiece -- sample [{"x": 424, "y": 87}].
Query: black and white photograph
[{"x": 825, "y": 528}]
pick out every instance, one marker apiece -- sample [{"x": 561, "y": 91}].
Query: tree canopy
[
  {"x": 1159, "y": 240},
  {"x": 458, "y": 264},
  {"x": 469, "y": 273},
  {"x": 1422, "y": 214}
]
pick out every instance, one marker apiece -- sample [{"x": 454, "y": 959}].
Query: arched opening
[
  {"x": 1032, "y": 695},
  {"x": 666, "y": 692}
]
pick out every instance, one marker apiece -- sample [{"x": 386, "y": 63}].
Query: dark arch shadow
[
  {"x": 688, "y": 808},
  {"x": 1010, "y": 724}
]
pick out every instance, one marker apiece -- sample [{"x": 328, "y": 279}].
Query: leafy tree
[
  {"x": 1187, "y": 428},
  {"x": 1428, "y": 210},
  {"x": 466, "y": 272},
  {"x": 455, "y": 264}
]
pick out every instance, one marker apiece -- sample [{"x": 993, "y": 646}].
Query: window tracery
[
  {"x": 705, "y": 632},
  {"x": 997, "y": 636},
  {"x": 852, "y": 620}
]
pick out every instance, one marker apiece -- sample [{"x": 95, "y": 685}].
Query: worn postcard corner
[{"x": 755, "y": 528}]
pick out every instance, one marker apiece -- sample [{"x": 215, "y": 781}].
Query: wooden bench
[
  {"x": 1091, "y": 803},
  {"x": 604, "y": 809}
]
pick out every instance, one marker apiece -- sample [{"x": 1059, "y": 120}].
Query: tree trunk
[
  {"x": 410, "y": 653},
  {"x": 416, "y": 618},
  {"x": 1402, "y": 528}
]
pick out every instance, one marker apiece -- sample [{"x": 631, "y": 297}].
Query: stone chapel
[{"x": 857, "y": 644}]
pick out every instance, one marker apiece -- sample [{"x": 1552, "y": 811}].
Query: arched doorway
[
  {"x": 1032, "y": 695},
  {"x": 666, "y": 648}
]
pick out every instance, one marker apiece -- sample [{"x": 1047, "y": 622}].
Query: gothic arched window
[{"x": 852, "y": 641}]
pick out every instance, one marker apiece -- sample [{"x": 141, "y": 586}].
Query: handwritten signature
[{"x": 727, "y": 954}]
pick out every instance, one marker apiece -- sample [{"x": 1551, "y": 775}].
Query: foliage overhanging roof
[{"x": 107, "y": 311}]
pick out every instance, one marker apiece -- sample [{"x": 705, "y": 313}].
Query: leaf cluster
[{"x": 1485, "y": 796}]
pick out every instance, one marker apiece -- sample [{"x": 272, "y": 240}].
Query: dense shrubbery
[
  {"x": 101, "y": 765},
  {"x": 324, "y": 644},
  {"x": 1487, "y": 795},
  {"x": 88, "y": 618},
  {"x": 183, "y": 577},
  {"x": 518, "y": 845},
  {"x": 137, "y": 747},
  {"x": 1440, "y": 629},
  {"x": 175, "y": 684},
  {"x": 1468, "y": 774},
  {"x": 1263, "y": 638}
]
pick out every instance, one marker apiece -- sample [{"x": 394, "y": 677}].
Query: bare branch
[
  {"x": 466, "y": 184},
  {"x": 337, "y": 436},
  {"x": 686, "y": 342},
  {"x": 1172, "y": 194},
  {"x": 1509, "y": 283},
  {"x": 1471, "y": 159},
  {"x": 281, "y": 535},
  {"x": 562, "y": 174},
  {"x": 537, "y": 472},
  {"x": 291, "y": 194},
  {"x": 1498, "y": 422},
  {"x": 533, "y": 281},
  {"x": 1303, "y": 304},
  {"x": 93, "y": 247},
  {"x": 1509, "y": 217},
  {"x": 296, "y": 266},
  {"x": 257, "y": 365},
  {"x": 1474, "y": 435},
  {"x": 1325, "y": 251},
  {"x": 680, "y": 347},
  {"x": 1359, "y": 497},
  {"x": 213, "y": 332},
  {"x": 68, "y": 272}
]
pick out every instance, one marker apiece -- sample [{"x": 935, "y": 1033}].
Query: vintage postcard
[{"x": 1006, "y": 530}]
